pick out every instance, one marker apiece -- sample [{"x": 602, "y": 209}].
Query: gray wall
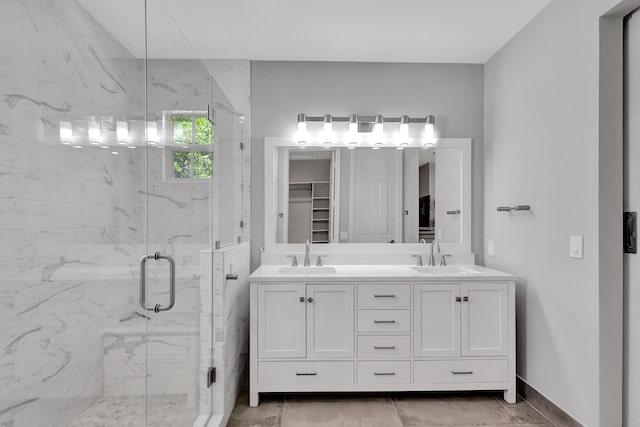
[
  {"x": 545, "y": 111},
  {"x": 281, "y": 90}
]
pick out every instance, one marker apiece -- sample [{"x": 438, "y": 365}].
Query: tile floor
[
  {"x": 386, "y": 410},
  {"x": 167, "y": 410}
]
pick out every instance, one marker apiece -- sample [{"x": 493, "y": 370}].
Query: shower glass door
[
  {"x": 180, "y": 156},
  {"x": 192, "y": 204}
]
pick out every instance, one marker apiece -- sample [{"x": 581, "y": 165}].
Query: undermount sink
[
  {"x": 448, "y": 270},
  {"x": 307, "y": 270}
]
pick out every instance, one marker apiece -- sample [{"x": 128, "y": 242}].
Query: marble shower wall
[{"x": 70, "y": 218}]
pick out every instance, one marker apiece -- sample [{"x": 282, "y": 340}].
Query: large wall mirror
[{"x": 385, "y": 196}]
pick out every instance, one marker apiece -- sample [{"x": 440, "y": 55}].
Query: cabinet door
[
  {"x": 436, "y": 320},
  {"x": 485, "y": 320},
  {"x": 281, "y": 320},
  {"x": 330, "y": 324}
]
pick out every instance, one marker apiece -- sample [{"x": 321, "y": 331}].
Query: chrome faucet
[
  {"x": 307, "y": 261},
  {"x": 432, "y": 258}
]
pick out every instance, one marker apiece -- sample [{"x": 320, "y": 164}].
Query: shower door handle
[{"x": 143, "y": 283}]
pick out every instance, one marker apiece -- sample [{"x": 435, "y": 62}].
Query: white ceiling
[{"x": 462, "y": 31}]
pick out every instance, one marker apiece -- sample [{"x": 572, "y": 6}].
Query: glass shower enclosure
[{"x": 119, "y": 169}]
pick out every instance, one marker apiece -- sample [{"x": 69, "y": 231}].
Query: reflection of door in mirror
[
  {"x": 309, "y": 205},
  {"x": 448, "y": 184},
  {"x": 376, "y": 176},
  {"x": 426, "y": 194}
]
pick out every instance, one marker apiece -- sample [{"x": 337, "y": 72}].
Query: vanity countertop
[{"x": 382, "y": 273}]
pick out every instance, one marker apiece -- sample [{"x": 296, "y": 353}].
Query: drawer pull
[
  {"x": 462, "y": 372},
  {"x": 382, "y": 347},
  {"x": 384, "y": 374},
  {"x": 384, "y": 295},
  {"x": 306, "y": 374},
  {"x": 384, "y": 321}
]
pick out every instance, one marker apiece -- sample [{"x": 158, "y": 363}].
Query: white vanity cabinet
[
  {"x": 297, "y": 320},
  {"x": 404, "y": 334}
]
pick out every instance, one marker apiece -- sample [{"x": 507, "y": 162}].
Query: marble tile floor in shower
[
  {"x": 167, "y": 410},
  {"x": 386, "y": 410}
]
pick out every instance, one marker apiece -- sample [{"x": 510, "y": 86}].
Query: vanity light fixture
[
  {"x": 352, "y": 145},
  {"x": 368, "y": 128},
  {"x": 93, "y": 131},
  {"x": 66, "y": 133},
  {"x": 122, "y": 132}
]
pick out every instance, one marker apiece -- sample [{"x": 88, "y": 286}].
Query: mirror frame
[{"x": 271, "y": 146}]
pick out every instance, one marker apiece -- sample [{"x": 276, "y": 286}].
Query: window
[{"x": 189, "y": 154}]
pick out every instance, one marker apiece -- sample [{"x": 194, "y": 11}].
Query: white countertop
[{"x": 382, "y": 273}]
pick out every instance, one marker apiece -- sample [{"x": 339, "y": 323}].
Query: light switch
[
  {"x": 491, "y": 249},
  {"x": 438, "y": 233},
  {"x": 576, "y": 245}
]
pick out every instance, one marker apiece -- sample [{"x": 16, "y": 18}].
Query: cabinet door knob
[
  {"x": 301, "y": 299},
  {"x": 465, "y": 299},
  {"x": 458, "y": 299},
  {"x": 309, "y": 299}
]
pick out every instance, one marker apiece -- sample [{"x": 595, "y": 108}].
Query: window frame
[{"x": 170, "y": 147}]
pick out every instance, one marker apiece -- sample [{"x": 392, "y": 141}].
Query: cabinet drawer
[
  {"x": 293, "y": 373},
  {"x": 384, "y": 320},
  {"x": 384, "y": 372},
  {"x": 384, "y": 295},
  {"x": 384, "y": 346},
  {"x": 460, "y": 371}
]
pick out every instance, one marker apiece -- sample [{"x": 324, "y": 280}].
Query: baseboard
[{"x": 546, "y": 407}]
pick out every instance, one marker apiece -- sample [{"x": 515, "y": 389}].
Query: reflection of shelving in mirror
[{"x": 309, "y": 198}]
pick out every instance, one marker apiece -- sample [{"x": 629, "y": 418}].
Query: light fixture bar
[{"x": 365, "y": 119}]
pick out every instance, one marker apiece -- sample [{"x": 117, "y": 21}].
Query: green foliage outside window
[{"x": 192, "y": 131}]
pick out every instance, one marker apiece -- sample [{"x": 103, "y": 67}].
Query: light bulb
[
  {"x": 404, "y": 126},
  {"x": 429, "y": 128},
  {"x": 353, "y": 124},
  {"x": 328, "y": 124},
  {"x": 378, "y": 127},
  {"x": 302, "y": 123}
]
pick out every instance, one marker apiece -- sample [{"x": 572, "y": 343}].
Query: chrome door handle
[
  {"x": 306, "y": 374},
  {"x": 384, "y": 321},
  {"x": 384, "y": 296},
  {"x": 378, "y": 374},
  {"x": 143, "y": 283},
  {"x": 382, "y": 347},
  {"x": 462, "y": 372}
]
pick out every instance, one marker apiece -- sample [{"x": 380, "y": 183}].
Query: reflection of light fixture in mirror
[
  {"x": 122, "y": 132},
  {"x": 152, "y": 133},
  {"x": 66, "y": 133},
  {"x": 353, "y": 124},
  {"x": 404, "y": 127},
  {"x": 302, "y": 123},
  {"x": 93, "y": 132}
]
